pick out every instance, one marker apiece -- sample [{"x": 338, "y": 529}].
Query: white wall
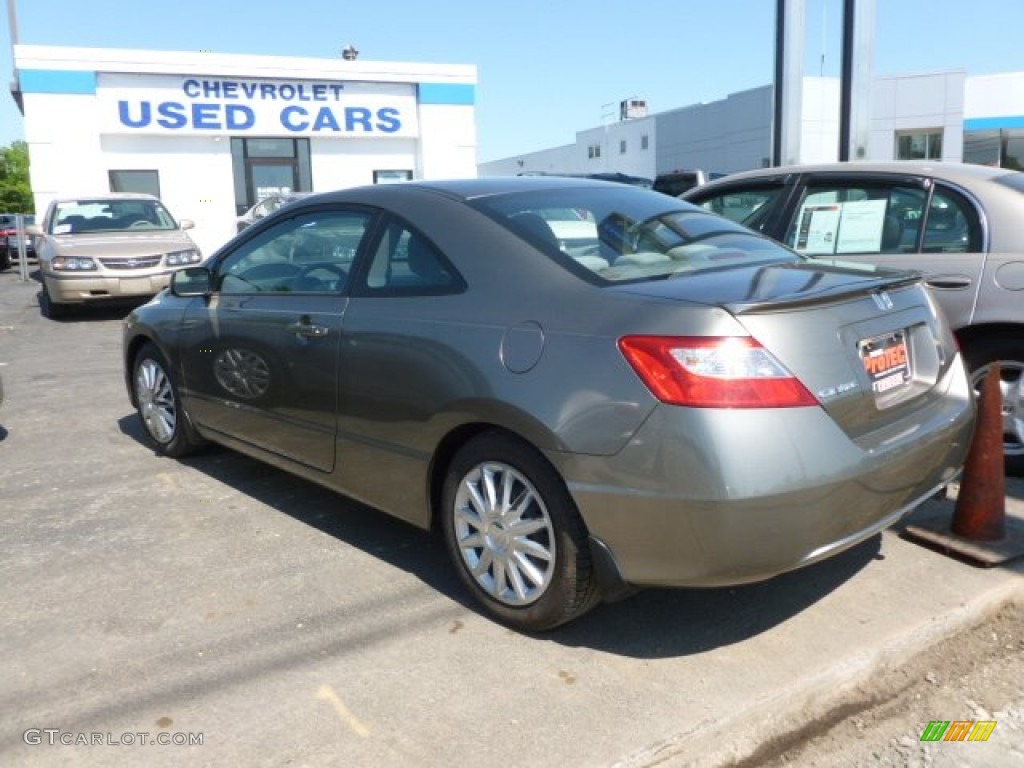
[
  {"x": 819, "y": 134},
  {"x": 994, "y": 95},
  {"x": 447, "y": 141},
  {"x": 343, "y": 163},
  {"x": 918, "y": 102},
  {"x": 727, "y": 135},
  {"x": 563, "y": 159}
]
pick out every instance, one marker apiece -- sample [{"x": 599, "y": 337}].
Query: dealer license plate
[
  {"x": 887, "y": 361},
  {"x": 130, "y": 285}
]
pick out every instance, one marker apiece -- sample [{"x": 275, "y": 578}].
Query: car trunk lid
[{"x": 868, "y": 343}]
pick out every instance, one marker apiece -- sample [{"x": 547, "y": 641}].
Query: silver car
[
  {"x": 961, "y": 225},
  {"x": 102, "y": 247},
  {"x": 666, "y": 399}
]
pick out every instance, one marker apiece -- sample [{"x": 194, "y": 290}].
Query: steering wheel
[
  {"x": 332, "y": 268},
  {"x": 141, "y": 224},
  {"x": 307, "y": 280}
]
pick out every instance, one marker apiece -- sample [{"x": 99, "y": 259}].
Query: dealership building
[
  {"x": 212, "y": 134},
  {"x": 946, "y": 115}
]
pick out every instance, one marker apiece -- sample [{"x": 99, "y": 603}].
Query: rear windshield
[{"x": 624, "y": 233}]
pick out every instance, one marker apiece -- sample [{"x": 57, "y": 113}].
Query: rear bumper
[{"x": 729, "y": 497}]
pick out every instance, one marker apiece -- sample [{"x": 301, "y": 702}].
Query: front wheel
[
  {"x": 159, "y": 405},
  {"x": 515, "y": 536},
  {"x": 1009, "y": 353},
  {"x": 49, "y": 307}
]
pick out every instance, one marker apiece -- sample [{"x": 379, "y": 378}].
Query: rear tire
[
  {"x": 1009, "y": 353},
  {"x": 515, "y": 536},
  {"x": 159, "y": 406}
]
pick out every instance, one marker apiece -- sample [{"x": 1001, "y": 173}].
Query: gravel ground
[{"x": 976, "y": 675}]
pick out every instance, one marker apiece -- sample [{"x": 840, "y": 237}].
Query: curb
[{"x": 835, "y": 693}]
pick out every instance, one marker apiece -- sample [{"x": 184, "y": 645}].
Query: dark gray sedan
[{"x": 584, "y": 386}]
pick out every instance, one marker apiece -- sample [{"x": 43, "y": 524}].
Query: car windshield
[
  {"x": 625, "y": 233},
  {"x": 90, "y": 216}
]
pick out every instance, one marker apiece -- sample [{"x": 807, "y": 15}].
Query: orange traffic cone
[
  {"x": 980, "y": 513},
  {"x": 983, "y": 532}
]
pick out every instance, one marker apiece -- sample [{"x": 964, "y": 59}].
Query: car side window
[
  {"x": 952, "y": 224},
  {"x": 748, "y": 207},
  {"x": 309, "y": 253},
  {"x": 842, "y": 218},
  {"x": 404, "y": 262}
]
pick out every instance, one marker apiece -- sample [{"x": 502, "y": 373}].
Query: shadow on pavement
[{"x": 653, "y": 623}]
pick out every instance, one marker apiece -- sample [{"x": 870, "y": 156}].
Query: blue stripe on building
[
  {"x": 56, "y": 81},
  {"x": 447, "y": 93},
  {"x": 993, "y": 123}
]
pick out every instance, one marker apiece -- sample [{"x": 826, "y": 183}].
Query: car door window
[
  {"x": 309, "y": 253},
  {"x": 952, "y": 224},
  {"x": 749, "y": 206},
  {"x": 404, "y": 262},
  {"x": 851, "y": 218}
]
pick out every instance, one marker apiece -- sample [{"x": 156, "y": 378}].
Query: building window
[
  {"x": 643, "y": 142},
  {"x": 1002, "y": 148},
  {"x": 391, "y": 177},
  {"x": 622, "y": 146},
  {"x": 919, "y": 145},
  {"x": 1013, "y": 150},
  {"x": 147, "y": 182},
  {"x": 594, "y": 151}
]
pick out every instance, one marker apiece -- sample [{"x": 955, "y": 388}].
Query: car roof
[
  {"x": 107, "y": 196},
  {"x": 963, "y": 173},
  {"x": 466, "y": 189}
]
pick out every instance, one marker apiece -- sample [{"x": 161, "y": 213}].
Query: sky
[{"x": 546, "y": 68}]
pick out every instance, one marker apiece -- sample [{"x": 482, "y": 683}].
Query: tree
[{"x": 15, "y": 189}]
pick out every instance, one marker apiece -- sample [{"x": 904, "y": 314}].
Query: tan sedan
[{"x": 104, "y": 247}]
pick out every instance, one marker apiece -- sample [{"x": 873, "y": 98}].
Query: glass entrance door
[
  {"x": 270, "y": 177},
  {"x": 265, "y": 167}
]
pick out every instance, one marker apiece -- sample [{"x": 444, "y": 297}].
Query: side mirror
[
  {"x": 186, "y": 224},
  {"x": 241, "y": 224},
  {"x": 192, "y": 281},
  {"x": 34, "y": 229}
]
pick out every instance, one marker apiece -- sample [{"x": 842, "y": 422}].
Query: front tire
[
  {"x": 49, "y": 307},
  {"x": 1009, "y": 353},
  {"x": 515, "y": 536},
  {"x": 159, "y": 405}
]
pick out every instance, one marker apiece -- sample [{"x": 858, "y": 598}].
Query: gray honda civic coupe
[{"x": 584, "y": 387}]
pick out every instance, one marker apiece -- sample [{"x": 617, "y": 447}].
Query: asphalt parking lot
[{"x": 220, "y": 600}]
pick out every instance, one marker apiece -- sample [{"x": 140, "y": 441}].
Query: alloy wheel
[
  {"x": 1011, "y": 391},
  {"x": 504, "y": 533},
  {"x": 157, "y": 404}
]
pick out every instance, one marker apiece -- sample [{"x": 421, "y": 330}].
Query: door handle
[
  {"x": 948, "y": 282},
  {"x": 309, "y": 329}
]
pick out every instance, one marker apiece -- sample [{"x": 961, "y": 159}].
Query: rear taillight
[{"x": 713, "y": 372}]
